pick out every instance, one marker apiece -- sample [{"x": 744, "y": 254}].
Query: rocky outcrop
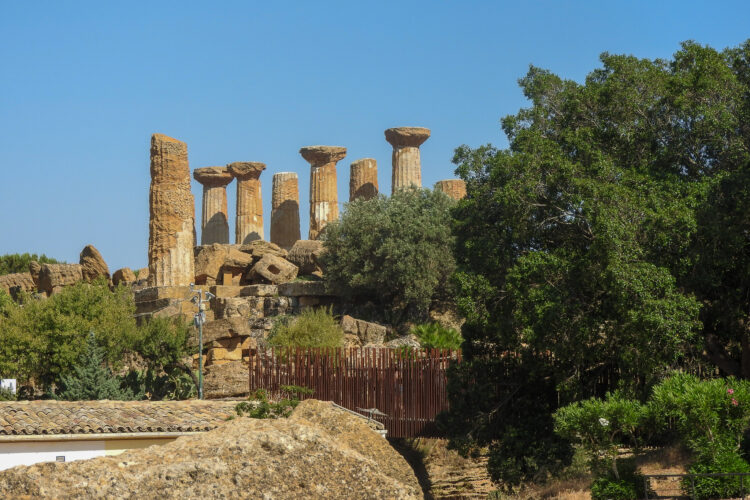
[
  {"x": 53, "y": 277},
  {"x": 306, "y": 255},
  {"x": 92, "y": 264},
  {"x": 126, "y": 276},
  {"x": 172, "y": 214},
  {"x": 318, "y": 452}
]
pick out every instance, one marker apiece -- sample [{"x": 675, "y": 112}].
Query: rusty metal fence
[{"x": 408, "y": 386}]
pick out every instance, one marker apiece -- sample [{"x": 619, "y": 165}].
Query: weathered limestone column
[
  {"x": 324, "y": 206},
  {"x": 285, "y": 210},
  {"x": 363, "y": 179},
  {"x": 215, "y": 223},
  {"x": 407, "y": 167},
  {"x": 171, "y": 235},
  {"x": 455, "y": 188},
  {"x": 249, "y": 224}
]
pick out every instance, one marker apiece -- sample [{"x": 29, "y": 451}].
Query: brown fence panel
[{"x": 409, "y": 386}]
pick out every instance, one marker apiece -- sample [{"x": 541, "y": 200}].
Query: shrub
[
  {"x": 19, "y": 263},
  {"x": 725, "y": 461},
  {"x": 312, "y": 328},
  {"x": 91, "y": 379},
  {"x": 433, "y": 335},
  {"x": 394, "y": 252},
  {"x": 258, "y": 405}
]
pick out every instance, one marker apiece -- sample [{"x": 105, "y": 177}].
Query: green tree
[
  {"x": 608, "y": 242},
  {"x": 19, "y": 263},
  {"x": 91, "y": 379},
  {"x": 43, "y": 339},
  {"x": 393, "y": 252}
]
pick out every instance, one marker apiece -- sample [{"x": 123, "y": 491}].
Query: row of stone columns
[{"x": 172, "y": 228}]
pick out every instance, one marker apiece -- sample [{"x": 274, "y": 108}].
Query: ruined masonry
[
  {"x": 407, "y": 167},
  {"x": 285, "y": 210},
  {"x": 323, "y": 194},
  {"x": 363, "y": 179},
  {"x": 215, "y": 221},
  {"x": 455, "y": 188},
  {"x": 172, "y": 214},
  {"x": 249, "y": 223}
]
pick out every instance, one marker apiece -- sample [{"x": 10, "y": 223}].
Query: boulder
[
  {"x": 409, "y": 340},
  {"x": 17, "y": 282},
  {"x": 224, "y": 328},
  {"x": 235, "y": 307},
  {"x": 318, "y": 452},
  {"x": 367, "y": 333},
  {"x": 237, "y": 262},
  {"x": 208, "y": 262},
  {"x": 306, "y": 254},
  {"x": 259, "y": 248},
  {"x": 92, "y": 264},
  {"x": 274, "y": 269},
  {"x": 52, "y": 277},
  {"x": 125, "y": 276},
  {"x": 303, "y": 289}
]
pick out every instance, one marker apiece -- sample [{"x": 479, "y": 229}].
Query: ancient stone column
[
  {"x": 285, "y": 210},
  {"x": 172, "y": 214},
  {"x": 215, "y": 222},
  {"x": 324, "y": 205},
  {"x": 407, "y": 167},
  {"x": 455, "y": 188},
  {"x": 363, "y": 179},
  {"x": 249, "y": 224}
]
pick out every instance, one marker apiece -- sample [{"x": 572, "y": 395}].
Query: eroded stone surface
[
  {"x": 249, "y": 222},
  {"x": 259, "y": 248},
  {"x": 285, "y": 209},
  {"x": 363, "y": 179},
  {"x": 172, "y": 214},
  {"x": 21, "y": 281},
  {"x": 215, "y": 221},
  {"x": 455, "y": 188},
  {"x": 406, "y": 161},
  {"x": 366, "y": 332},
  {"x": 53, "y": 277},
  {"x": 92, "y": 264},
  {"x": 324, "y": 206},
  {"x": 306, "y": 255},
  {"x": 274, "y": 269},
  {"x": 125, "y": 276}
]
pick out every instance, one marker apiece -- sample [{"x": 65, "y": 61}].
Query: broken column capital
[
  {"x": 213, "y": 176},
  {"x": 401, "y": 137},
  {"x": 246, "y": 169},
  {"x": 321, "y": 155}
]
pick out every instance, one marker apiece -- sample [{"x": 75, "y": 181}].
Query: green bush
[
  {"x": 91, "y": 378},
  {"x": 312, "y": 328},
  {"x": 725, "y": 461},
  {"x": 608, "y": 489},
  {"x": 19, "y": 263},
  {"x": 44, "y": 339},
  {"x": 258, "y": 405},
  {"x": 7, "y": 395},
  {"x": 393, "y": 252},
  {"x": 433, "y": 335}
]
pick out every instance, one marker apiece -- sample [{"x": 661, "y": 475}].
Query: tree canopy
[
  {"x": 19, "y": 263},
  {"x": 609, "y": 242}
]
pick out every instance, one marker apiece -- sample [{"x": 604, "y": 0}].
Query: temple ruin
[
  {"x": 285, "y": 229},
  {"x": 407, "y": 166},
  {"x": 249, "y": 222},
  {"x": 215, "y": 221},
  {"x": 324, "y": 206},
  {"x": 363, "y": 179}
]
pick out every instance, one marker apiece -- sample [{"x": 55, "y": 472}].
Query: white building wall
[{"x": 28, "y": 453}]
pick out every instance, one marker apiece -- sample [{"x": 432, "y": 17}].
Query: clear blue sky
[{"x": 84, "y": 85}]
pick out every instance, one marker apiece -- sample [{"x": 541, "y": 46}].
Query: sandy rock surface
[{"x": 319, "y": 452}]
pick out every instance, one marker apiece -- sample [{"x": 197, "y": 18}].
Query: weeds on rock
[{"x": 259, "y": 406}]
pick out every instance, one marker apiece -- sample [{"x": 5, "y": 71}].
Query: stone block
[
  {"x": 92, "y": 264},
  {"x": 53, "y": 277},
  {"x": 303, "y": 288},
  {"x": 274, "y": 269},
  {"x": 208, "y": 262},
  {"x": 223, "y": 291},
  {"x": 230, "y": 307},
  {"x": 259, "y": 291},
  {"x": 163, "y": 292},
  {"x": 368, "y": 333},
  {"x": 305, "y": 254},
  {"x": 125, "y": 276},
  {"x": 276, "y": 306},
  {"x": 259, "y": 248},
  {"x": 226, "y": 328}
]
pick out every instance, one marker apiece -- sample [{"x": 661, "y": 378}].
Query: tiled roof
[{"x": 105, "y": 417}]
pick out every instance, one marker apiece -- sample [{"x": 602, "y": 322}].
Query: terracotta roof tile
[{"x": 104, "y": 417}]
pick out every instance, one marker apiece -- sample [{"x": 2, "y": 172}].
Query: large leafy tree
[{"x": 607, "y": 243}]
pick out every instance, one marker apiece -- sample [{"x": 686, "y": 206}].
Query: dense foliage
[
  {"x": 43, "y": 339},
  {"x": 434, "y": 335},
  {"x": 19, "y": 263},
  {"x": 312, "y": 328},
  {"x": 91, "y": 379},
  {"x": 606, "y": 245},
  {"x": 258, "y": 404},
  {"x": 392, "y": 252}
]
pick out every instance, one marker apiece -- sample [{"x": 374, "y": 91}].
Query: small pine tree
[{"x": 92, "y": 379}]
